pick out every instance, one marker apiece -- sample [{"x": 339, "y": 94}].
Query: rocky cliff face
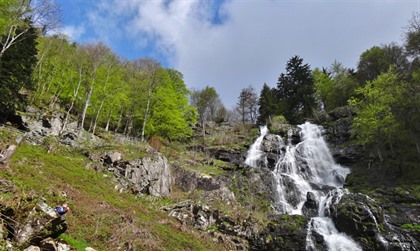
[{"x": 149, "y": 175}]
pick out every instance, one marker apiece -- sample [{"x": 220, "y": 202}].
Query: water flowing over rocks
[{"x": 308, "y": 183}]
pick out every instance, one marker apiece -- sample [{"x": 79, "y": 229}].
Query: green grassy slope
[{"x": 100, "y": 217}]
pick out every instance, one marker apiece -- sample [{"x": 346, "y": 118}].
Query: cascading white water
[
  {"x": 309, "y": 167},
  {"x": 254, "y": 153}
]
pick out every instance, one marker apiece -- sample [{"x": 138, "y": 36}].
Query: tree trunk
[
  {"x": 145, "y": 118},
  {"x": 108, "y": 121},
  {"x": 380, "y": 155},
  {"x": 102, "y": 102},
  {"x": 119, "y": 120},
  {"x": 203, "y": 124},
  {"x": 76, "y": 92},
  {"x": 85, "y": 108},
  {"x": 149, "y": 97}
]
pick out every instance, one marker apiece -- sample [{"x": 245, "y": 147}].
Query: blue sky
[{"x": 233, "y": 44}]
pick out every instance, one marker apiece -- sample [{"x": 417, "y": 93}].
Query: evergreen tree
[
  {"x": 267, "y": 105},
  {"x": 295, "y": 91},
  {"x": 16, "y": 67}
]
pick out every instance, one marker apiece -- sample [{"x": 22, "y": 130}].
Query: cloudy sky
[{"x": 233, "y": 44}]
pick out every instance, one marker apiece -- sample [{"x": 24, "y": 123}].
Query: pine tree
[
  {"x": 295, "y": 91},
  {"x": 16, "y": 67},
  {"x": 267, "y": 105}
]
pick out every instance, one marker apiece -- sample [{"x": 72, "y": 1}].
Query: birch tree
[
  {"x": 95, "y": 56},
  {"x": 42, "y": 14}
]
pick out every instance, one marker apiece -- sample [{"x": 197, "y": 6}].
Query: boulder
[
  {"x": 112, "y": 157},
  {"x": 232, "y": 232},
  {"x": 310, "y": 207},
  {"x": 357, "y": 215},
  {"x": 234, "y": 157},
  {"x": 7, "y": 153},
  {"x": 32, "y": 248},
  {"x": 273, "y": 144},
  {"x": 287, "y": 232},
  {"x": 149, "y": 175},
  {"x": 48, "y": 244},
  {"x": 364, "y": 220}
]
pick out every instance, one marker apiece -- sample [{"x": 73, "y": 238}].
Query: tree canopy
[{"x": 295, "y": 91}]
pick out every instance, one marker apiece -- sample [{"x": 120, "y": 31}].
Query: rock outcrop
[
  {"x": 148, "y": 175},
  {"x": 39, "y": 225},
  {"x": 366, "y": 221},
  {"x": 287, "y": 232}
]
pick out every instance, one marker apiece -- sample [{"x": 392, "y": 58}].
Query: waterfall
[
  {"x": 255, "y": 153},
  {"x": 308, "y": 179}
]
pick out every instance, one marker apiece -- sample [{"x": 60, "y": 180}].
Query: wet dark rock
[
  {"x": 341, "y": 112},
  {"x": 272, "y": 160},
  {"x": 273, "y": 144},
  {"x": 287, "y": 232},
  {"x": 365, "y": 221},
  {"x": 234, "y": 157},
  {"x": 310, "y": 207}
]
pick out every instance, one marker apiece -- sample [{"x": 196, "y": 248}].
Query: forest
[{"x": 141, "y": 98}]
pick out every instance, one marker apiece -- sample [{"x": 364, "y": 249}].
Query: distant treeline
[{"x": 141, "y": 98}]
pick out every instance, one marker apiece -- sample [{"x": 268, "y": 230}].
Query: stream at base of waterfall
[{"x": 306, "y": 172}]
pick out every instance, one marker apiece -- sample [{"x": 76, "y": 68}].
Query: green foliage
[
  {"x": 267, "y": 104},
  {"x": 207, "y": 102},
  {"x": 412, "y": 36},
  {"x": 172, "y": 117},
  {"x": 137, "y": 98},
  {"x": 98, "y": 211},
  {"x": 278, "y": 123},
  {"x": 16, "y": 66},
  {"x": 79, "y": 245},
  {"x": 376, "y": 121},
  {"x": 295, "y": 91},
  {"x": 414, "y": 227},
  {"x": 377, "y": 60},
  {"x": 6, "y": 14},
  {"x": 334, "y": 86}
]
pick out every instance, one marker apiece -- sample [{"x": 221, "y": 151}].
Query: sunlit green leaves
[{"x": 376, "y": 108}]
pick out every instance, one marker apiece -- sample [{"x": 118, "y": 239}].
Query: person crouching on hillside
[{"x": 62, "y": 209}]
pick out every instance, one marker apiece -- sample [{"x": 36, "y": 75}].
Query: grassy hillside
[{"x": 100, "y": 217}]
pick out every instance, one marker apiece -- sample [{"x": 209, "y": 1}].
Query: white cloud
[
  {"x": 252, "y": 45},
  {"x": 73, "y": 32}
]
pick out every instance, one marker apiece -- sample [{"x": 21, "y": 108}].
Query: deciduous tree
[
  {"x": 376, "y": 121},
  {"x": 205, "y": 101},
  {"x": 20, "y": 16},
  {"x": 247, "y": 104}
]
